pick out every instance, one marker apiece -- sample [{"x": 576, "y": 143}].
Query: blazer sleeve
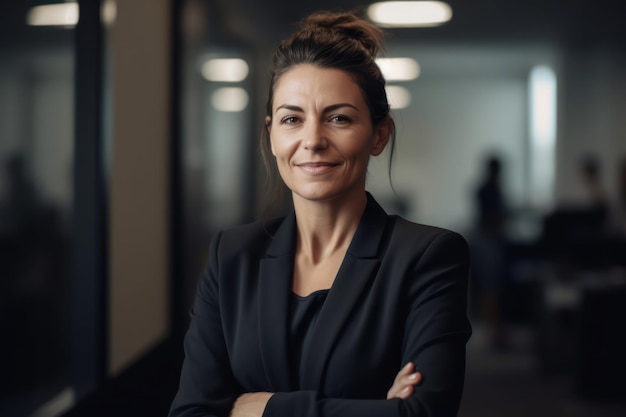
[
  {"x": 207, "y": 386},
  {"x": 436, "y": 331}
]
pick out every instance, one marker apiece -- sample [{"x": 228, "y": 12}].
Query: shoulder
[
  {"x": 248, "y": 238},
  {"x": 417, "y": 240},
  {"x": 423, "y": 234}
]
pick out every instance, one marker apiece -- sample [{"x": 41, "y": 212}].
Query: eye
[
  {"x": 289, "y": 120},
  {"x": 339, "y": 119}
]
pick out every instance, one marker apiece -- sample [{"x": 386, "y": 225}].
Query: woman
[{"x": 336, "y": 309}]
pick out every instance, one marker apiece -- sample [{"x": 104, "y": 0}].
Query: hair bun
[{"x": 349, "y": 25}]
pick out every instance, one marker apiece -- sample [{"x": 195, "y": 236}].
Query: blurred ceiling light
[
  {"x": 229, "y": 99},
  {"x": 543, "y": 105},
  {"x": 225, "y": 69},
  {"x": 399, "y": 69},
  {"x": 398, "y": 97},
  {"x": 109, "y": 12},
  {"x": 60, "y": 14},
  {"x": 543, "y": 131},
  {"x": 410, "y": 13}
]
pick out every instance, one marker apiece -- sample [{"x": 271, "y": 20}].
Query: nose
[{"x": 314, "y": 137}]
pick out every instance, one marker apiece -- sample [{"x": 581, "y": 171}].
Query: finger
[
  {"x": 402, "y": 380},
  {"x": 413, "y": 379},
  {"x": 403, "y": 387},
  {"x": 406, "y": 370},
  {"x": 405, "y": 393},
  {"x": 402, "y": 392},
  {"x": 396, "y": 389}
]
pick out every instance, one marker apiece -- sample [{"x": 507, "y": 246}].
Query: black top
[{"x": 304, "y": 312}]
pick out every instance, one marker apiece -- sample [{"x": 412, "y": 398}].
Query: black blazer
[{"x": 400, "y": 295}]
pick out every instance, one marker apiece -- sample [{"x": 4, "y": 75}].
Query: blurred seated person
[
  {"x": 574, "y": 232},
  {"x": 619, "y": 209}
]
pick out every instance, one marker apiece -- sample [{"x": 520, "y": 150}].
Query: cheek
[
  {"x": 270, "y": 142},
  {"x": 272, "y": 147},
  {"x": 361, "y": 152},
  {"x": 282, "y": 147},
  {"x": 277, "y": 149},
  {"x": 271, "y": 139},
  {"x": 277, "y": 145}
]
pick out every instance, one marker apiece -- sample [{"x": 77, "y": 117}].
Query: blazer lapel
[
  {"x": 357, "y": 270},
  {"x": 275, "y": 276}
]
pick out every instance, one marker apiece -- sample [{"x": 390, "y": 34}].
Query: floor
[
  {"x": 499, "y": 383},
  {"x": 510, "y": 383},
  {"x": 146, "y": 389}
]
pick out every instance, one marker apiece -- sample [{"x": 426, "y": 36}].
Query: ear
[
  {"x": 382, "y": 134},
  {"x": 268, "y": 126}
]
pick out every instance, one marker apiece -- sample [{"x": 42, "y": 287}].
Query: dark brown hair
[{"x": 337, "y": 40}]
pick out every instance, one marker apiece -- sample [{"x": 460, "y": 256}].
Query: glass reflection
[
  {"x": 36, "y": 122},
  {"x": 217, "y": 136}
]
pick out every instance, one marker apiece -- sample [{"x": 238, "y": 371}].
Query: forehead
[{"x": 304, "y": 84}]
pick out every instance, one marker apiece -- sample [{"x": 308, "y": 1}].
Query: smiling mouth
[{"x": 316, "y": 168}]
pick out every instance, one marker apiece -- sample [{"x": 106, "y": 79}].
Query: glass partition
[
  {"x": 218, "y": 136},
  {"x": 36, "y": 155}
]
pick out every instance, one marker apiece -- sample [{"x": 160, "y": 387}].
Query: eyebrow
[{"x": 327, "y": 109}]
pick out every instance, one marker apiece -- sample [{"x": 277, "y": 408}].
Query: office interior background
[{"x": 122, "y": 151}]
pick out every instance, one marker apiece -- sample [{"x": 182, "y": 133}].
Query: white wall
[
  {"x": 592, "y": 116},
  {"x": 468, "y": 101}
]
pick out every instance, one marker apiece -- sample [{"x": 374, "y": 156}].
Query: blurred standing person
[
  {"x": 490, "y": 200},
  {"x": 596, "y": 200},
  {"x": 488, "y": 251},
  {"x": 336, "y": 309}
]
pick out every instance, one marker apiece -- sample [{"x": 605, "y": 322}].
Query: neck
[{"x": 326, "y": 227}]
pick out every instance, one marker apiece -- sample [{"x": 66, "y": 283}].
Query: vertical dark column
[
  {"x": 88, "y": 292},
  {"x": 177, "y": 324}
]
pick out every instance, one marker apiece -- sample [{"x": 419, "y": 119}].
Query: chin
[
  {"x": 316, "y": 194},
  {"x": 324, "y": 195}
]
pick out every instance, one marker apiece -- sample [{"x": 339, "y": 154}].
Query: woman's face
[{"x": 321, "y": 133}]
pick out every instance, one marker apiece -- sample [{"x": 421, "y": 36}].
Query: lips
[{"x": 316, "y": 168}]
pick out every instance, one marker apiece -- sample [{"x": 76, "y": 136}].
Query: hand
[
  {"x": 251, "y": 404},
  {"x": 403, "y": 385}
]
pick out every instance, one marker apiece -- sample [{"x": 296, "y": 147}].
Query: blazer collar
[
  {"x": 370, "y": 232},
  {"x": 274, "y": 289},
  {"x": 275, "y": 280},
  {"x": 284, "y": 239}
]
